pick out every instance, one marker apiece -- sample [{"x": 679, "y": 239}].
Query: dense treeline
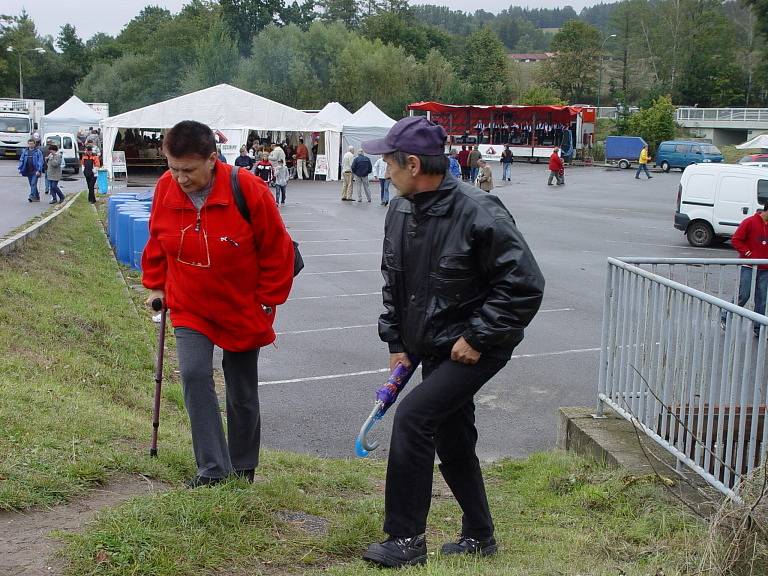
[{"x": 308, "y": 52}]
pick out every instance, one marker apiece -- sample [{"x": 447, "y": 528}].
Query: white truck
[{"x": 19, "y": 121}]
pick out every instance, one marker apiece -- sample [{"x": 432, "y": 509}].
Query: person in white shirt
[
  {"x": 276, "y": 155},
  {"x": 346, "y": 174},
  {"x": 381, "y": 172}
]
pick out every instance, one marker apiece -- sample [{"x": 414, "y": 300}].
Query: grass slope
[{"x": 76, "y": 389}]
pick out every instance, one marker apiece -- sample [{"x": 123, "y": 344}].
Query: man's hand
[
  {"x": 154, "y": 295},
  {"x": 464, "y": 353},
  {"x": 398, "y": 358}
]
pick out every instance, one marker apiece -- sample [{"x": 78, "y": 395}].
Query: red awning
[{"x": 439, "y": 107}]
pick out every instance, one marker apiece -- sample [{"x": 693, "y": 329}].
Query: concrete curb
[{"x": 16, "y": 241}]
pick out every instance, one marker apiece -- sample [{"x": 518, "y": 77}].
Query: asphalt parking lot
[{"x": 318, "y": 381}]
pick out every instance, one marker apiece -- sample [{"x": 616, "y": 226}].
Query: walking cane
[{"x": 158, "y": 305}]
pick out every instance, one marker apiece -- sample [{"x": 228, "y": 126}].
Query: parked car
[
  {"x": 69, "y": 148},
  {"x": 623, "y": 150},
  {"x": 679, "y": 154},
  {"x": 713, "y": 199},
  {"x": 755, "y": 160}
]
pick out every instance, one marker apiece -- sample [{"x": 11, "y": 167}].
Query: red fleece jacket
[
  {"x": 555, "y": 162},
  {"x": 242, "y": 265},
  {"x": 751, "y": 239}
]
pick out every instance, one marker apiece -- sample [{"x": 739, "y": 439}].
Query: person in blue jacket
[
  {"x": 31, "y": 166},
  {"x": 454, "y": 167}
]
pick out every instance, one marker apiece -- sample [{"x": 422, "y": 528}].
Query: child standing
[
  {"x": 281, "y": 181},
  {"x": 264, "y": 169}
]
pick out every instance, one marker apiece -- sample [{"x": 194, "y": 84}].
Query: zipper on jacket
[{"x": 197, "y": 222}]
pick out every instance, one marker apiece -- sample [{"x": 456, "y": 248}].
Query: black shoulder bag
[{"x": 298, "y": 261}]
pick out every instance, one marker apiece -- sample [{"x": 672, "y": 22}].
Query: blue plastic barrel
[
  {"x": 102, "y": 180},
  {"x": 140, "y": 239},
  {"x": 112, "y": 214},
  {"x": 124, "y": 232}
]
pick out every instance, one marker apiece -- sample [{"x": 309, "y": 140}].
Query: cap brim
[{"x": 378, "y": 146}]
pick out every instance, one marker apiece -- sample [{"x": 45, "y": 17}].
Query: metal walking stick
[{"x": 158, "y": 305}]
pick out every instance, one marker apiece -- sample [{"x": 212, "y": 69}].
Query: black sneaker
[
  {"x": 397, "y": 552},
  {"x": 198, "y": 481},
  {"x": 466, "y": 545}
]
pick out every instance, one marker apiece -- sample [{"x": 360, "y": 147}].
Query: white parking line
[
  {"x": 343, "y": 240},
  {"x": 335, "y": 296},
  {"x": 661, "y": 245},
  {"x": 325, "y": 329},
  {"x": 318, "y": 229},
  {"x": 381, "y": 370},
  {"x": 344, "y": 254},
  {"x": 339, "y": 272}
]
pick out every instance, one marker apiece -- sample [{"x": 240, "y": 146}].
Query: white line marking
[
  {"x": 335, "y": 296},
  {"x": 366, "y": 372},
  {"x": 302, "y": 221},
  {"x": 557, "y": 310},
  {"x": 340, "y": 272},
  {"x": 660, "y": 245},
  {"x": 346, "y": 254},
  {"x": 325, "y": 329}
]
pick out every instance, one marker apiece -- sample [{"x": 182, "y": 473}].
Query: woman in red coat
[
  {"x": 556, "y": 168},
  {"x": 221, "y": 278}
]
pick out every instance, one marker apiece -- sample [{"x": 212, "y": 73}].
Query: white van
[
  {"x": 713, "y": 199},
  {"x": 68, "y": 146}
]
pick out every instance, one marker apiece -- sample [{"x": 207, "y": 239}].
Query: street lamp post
[
  {"x": 600, "y": 77},
  {"x": 21, "y": 81}
]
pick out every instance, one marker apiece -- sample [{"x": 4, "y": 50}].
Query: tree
[
  {"x": 345, "y": 11},
  {"x": 656, "y": 123},
  {"x": 139, "y": 34},
  {"x": 216, "y": 62},
  {"x": 573, "y": 70},
  {"x": 400, "y": 29},
  {"x": 74, "y": 55},
  {"x": 248, "y": 17},
  {"x": 541, "y": 96},
  {"x": 487, "y": 70}
]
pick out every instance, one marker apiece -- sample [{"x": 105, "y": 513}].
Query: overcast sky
[{"x": 110, "y": 16}]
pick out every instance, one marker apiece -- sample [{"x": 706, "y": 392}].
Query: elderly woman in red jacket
[{"x": 221, "y": 278}]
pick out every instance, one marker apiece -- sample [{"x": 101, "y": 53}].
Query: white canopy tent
[
  {"x": 70, "y": 117},
  {"x": 231, "y": 112},
  {"x": 760, "y": 141},
  {"x": 367, "y": 123},
  {"x": 334, "y": 113}
]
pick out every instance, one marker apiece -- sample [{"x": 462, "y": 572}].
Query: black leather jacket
[{"x": 455, "y": 266}]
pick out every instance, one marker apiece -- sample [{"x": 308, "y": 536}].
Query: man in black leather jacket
[{"x": 461, "y": 284}]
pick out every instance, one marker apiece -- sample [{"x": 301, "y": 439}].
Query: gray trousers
[
  {"x": 216, "y": 456},
  {"x": 361, "y": 183}
]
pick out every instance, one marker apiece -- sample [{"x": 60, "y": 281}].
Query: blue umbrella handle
[{"x": 362, "y": 445}]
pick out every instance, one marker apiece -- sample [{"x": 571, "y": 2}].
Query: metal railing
[
  {"x": 680, "y": 361},
  {"x": 722, "y": 114}
]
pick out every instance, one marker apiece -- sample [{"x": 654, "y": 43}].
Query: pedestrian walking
[
  {"x": 460, "y": 285},
  {"x": 751, "y": 241},
  {"x": 642, "y": 163},
  {"x": 31, "y": 166},
  {"x": 221, "y": 277},
  {"x": 484, "y": 176},
  {"x": 47, "y": 151},
  {"x": 346, "y": 175},
  {"x": 381, "y": 172},
  {"x": 453, "y": 165},
  {"x": 264, "y": 169},
  {"x": 463, "y": 158},
  {"x": 507, "y": 158},
  {"x": 244, "y": 160},
  {"x": 281, "y": 181},
  {"x": 90, "y": 162},
  {"x": 276, "y": 154},
  {"x": 361, "y": 169},
  {"x": 55, "y": 162},
  {"x": 556, "y": 168},
  {"x": 302, "y": 157},
  {"x": 474, "y": 157}
]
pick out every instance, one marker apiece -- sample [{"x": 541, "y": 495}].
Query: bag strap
[{"x": 238, "y": 194}]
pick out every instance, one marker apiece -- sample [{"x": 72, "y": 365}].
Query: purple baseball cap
[{"x": 412, "y": 135}]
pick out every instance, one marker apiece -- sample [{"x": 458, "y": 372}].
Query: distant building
[{"x": 531, "y": 57}]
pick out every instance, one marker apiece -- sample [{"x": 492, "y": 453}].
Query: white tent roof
[
  {"x": 222, "y": 107},
  {"x": 369, "y": 115},
  {"x": 757, "y": 142},
  {"x": 76, "y": 110},
  {"x": 334, "y": 113}
]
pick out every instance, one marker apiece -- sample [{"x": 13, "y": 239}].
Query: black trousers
[
  {"x": 438, "y": 415},
  {"x": 90, "y": 180}
]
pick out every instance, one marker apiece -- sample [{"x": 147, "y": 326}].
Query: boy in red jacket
[
  {"x": 221, "y": 277},
  {"x": 751, "y": 241}
]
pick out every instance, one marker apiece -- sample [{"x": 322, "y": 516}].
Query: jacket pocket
[{"x": 454, "y": 279}]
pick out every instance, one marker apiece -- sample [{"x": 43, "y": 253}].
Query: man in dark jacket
[
  {"x": 361, "y": 168},
  {"x": 460, "y": 285},
  {"x": 31, "y": 166}
]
